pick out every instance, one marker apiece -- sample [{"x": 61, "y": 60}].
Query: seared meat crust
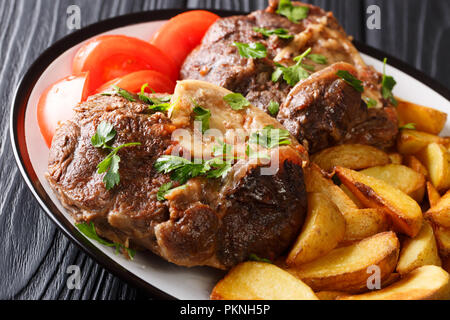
[
  {"x": 214, "y": 222},
  {"x": 216, "y": 60}
]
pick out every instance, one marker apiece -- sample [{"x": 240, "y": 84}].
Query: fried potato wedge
[
  {"x": 425, "y": 119},
  {"x": 401, "y": 177},
  {"x": 433, "y": 194},
  {"x": 345, "y": 269},
  {"x": 352, "y": 197},
  {"x": 396, "y": 158},
  {"x": 443, "y": 240},
  {"x": 316, "y": 182},
  {"x": 413, "y": 141},
  {"x": 424, "y": 283},
  {"x": 364, "y": 223},
  {"x": 405, "y": 213},
  {"x": 436, "y": 159},
  {"x": 419, "y": 251},
  {"x": 353, "y": 156},
  {"x": 329, "y": 295},
  {"x": 414, "y": 163},
  {"x": 440, "y": 212},
  {"x": 323, "y": 229},
  {"x": 261, "y": 281}
]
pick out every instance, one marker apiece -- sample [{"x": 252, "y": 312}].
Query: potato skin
[
  {"x": 419, "y": 251},
  {"x": 424, "y": 283},
  {"x": 352, "y": 156},
  {"x": 405, "y": 213},
  {"x": 260, "y": 281},
  {"x": 323, "y": 229},
  {"x": 353, "y": 280},
  {"x": 425, "y": 119},
  {"x": 364, "y": 223}
]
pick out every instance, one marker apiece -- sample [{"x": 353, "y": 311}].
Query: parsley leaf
[
  {"x": 351, "y": 80},
  {"x": 293, "y": 74},
  {"x": 182, "y": 170},
  {"x": 387, "y": 85},
  {"x": 370, "y": 102},
  {"x": 236, "y": 101},
  {"x": 254, "y": 257},
  {"x": 202, "y": 114},
  {"x": 253, "y": 50},
  {"x": 89, "y": 231},
  {"x": 269, "y": 137},
  {"x": 217, "y": 168},
  {"x": 156, "y": 104},
  {"x": 318, "y": 58},
  {"x": 409, "y": 126},
  {"x": 105, "y": 133},
  {"x": 163, "y": 190},
  {"x": 255, "y": 155},
  {"x": 280, "y": 32},
  {"x": 222, "y": 149},
  {"x": 293, "y": 13},
  {"x": 110, "y": 165},
  {"x": 273, "y": 107},
  {"x": 124, "y": 93}
]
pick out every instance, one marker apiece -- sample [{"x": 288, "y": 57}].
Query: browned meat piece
[
  {"x": 324, "y": 110},
  {"x": 217, "y": 222},
  {"x": 216, "y": 60}
]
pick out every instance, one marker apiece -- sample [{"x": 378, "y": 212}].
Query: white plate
[{"x": 178, "y": 282}]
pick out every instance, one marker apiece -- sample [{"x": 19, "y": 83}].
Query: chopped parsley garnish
[
  {"x": 156, "y": 104},
  {"x": 280, "y": 32},
  {"x": 293, "y": 13},
  {"x": 254, "y": 50},
  {"x": 318, "y": 58},
  {"x": 255, "y": 155},
  {"x": 370, "y": 102},
  {"x": 182, "y": 170},
  {"x": 104, "y": 134},
  {"x": 222, "y": 150},
  {"x": 202, "y": 114},
  {"x": 236, "y": 101},
  {"x": 387, "y": 85},
  {"x": 89, "y": 231},
  {"x": 254, "y": 257},
  {"x": 124, "y": 93},
  {"x": 163, "y": 190},
  {"x": 273, "y": 107},
  {"x": 409, "y": 126},
  {"x": 269, "y": 137},
  {"x": 351, "y": 80},
  {"x": 293, "y": 74}
]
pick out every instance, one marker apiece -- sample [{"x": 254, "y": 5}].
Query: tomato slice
[
  {"x": 57, "y": 102},
  {"x": 111, "y": 56},
  {"x": 181, "y": 34},
  {"x": 133, "y": 82}
]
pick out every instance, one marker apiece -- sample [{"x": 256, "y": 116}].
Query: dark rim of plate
[{"x": 23, "y": 92}]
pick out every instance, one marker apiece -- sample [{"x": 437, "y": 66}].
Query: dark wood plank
[{"x": 34, "y": 254}]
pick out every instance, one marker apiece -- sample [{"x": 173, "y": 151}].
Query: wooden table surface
[{"x": 34, "y": 254}]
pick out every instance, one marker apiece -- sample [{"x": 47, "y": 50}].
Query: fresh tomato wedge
[
  {"x": 181, "y": 34},
  {"x": 111, "y": 56},
  {"x": 133, "y": 82},
  {"x": 57, "y": 102}
]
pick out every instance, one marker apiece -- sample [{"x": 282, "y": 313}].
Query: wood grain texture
[{"x": 34, "y": 255}]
